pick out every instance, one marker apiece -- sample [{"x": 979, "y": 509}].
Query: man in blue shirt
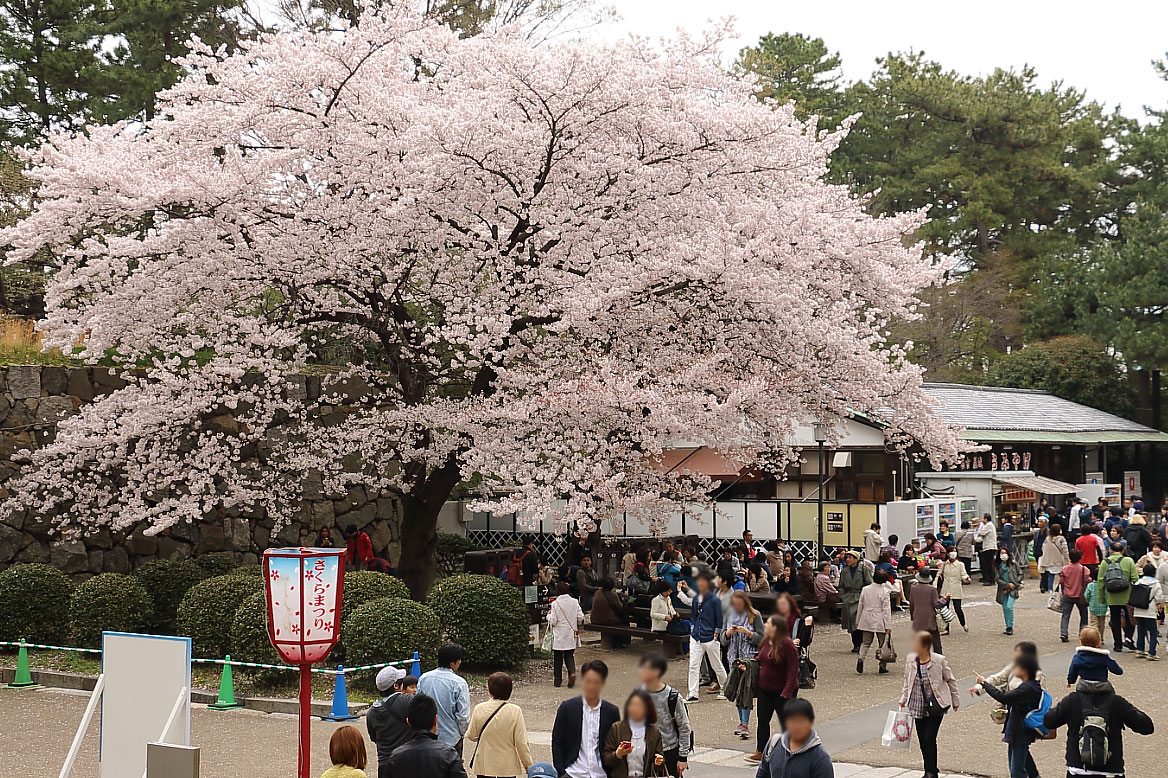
[
  {"x": 705, "y": 628},
  {"x": 450, "y": 693}
]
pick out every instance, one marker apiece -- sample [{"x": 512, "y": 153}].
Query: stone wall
[{"x": 34, "y": 398}]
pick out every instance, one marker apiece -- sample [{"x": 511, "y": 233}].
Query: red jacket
[{"x": 360, "y": 549}]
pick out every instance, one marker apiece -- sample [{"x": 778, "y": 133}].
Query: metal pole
[
  {"x": 304, "y": 760},
  {"x": 819, "y": 525}
]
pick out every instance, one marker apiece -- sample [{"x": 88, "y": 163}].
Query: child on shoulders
[{"x": 1091, "y": 662}]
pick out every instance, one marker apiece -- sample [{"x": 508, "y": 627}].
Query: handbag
[
  {"x": 946, "y": 612},
  {"x": 932, "y": 707},
  {"x": 484, "y": 729},
  {"x": 897, "y": 730},
  {"x": 886, "y": 653},
  {"x": 549, "y": 640},
  {"x": 808, "y": 674},
  {"x": 1055, "y": 601}
]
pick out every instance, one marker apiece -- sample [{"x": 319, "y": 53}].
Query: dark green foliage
[
  {"x": 167, "y": 581},
  {"x": 486, "y": 616},
  {"x": 389, "y": 629},
  {"x": 449, "y": 543},
  {"x": 795, "y": 67},
  {"x": 1075, "y": 368},
  {"x": 255, "y": 571},
  {"x": 34, "y": 604},
  {"x": 249, "y": 632},
  {"x": 108, "y": 602},
  {"x": 361, "y": 586},
  {"x": 207, "y": 613},
  {"x": 216, "y": 564}
]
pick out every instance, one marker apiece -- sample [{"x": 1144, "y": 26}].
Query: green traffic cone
[
  {"x": 23, "y": 679},
  {"x": 226, "y": 699}
]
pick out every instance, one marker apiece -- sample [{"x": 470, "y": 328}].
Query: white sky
[{"x": 1104, "y": 48}]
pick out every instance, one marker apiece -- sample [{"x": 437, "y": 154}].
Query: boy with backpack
[
  {"x": 1096, "y": 606},
  {"x": 1146, "y": 597},
  {"x": 1095, "y": 717},
  {"x": 1117, "y": 573},
  {"x": 1091, "y": 662},
  {"x": 672, "y": 715}
]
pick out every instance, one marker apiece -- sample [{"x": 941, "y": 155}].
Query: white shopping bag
[{"x": 897, "y": 730}]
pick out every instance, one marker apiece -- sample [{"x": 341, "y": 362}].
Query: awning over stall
[{"x": 1039, "y": 484}]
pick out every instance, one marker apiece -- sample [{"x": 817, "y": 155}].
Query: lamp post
[
  {"x": 304, "y": 619},
  {"x": 820, "y": 432}
]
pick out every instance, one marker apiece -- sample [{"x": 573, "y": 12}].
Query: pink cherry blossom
[{"x": 561, "y": 261}]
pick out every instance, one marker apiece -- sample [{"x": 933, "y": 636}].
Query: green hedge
[
  {"x": 251, "y": 570},
  {"x": 486, "y": 616},
  {"x": 34, "y": 604},
  {"x": 207, "y": 613},
  {"x": 389, "y": 629},
  {"x": 216, "y": 564},
  {"x": 249, "y": 632},
  {"x": 362, "y": 586},
  {"x": 167, "y": 581},
  {"x": 110, "y": 601}
]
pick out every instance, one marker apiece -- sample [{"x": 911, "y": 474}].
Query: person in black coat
[
  {"x": 386, "y": 719},
  {"x": 1018, "y": 701},
  {"x": 567, "y": 731},
  {"x": 1120, "y": 714},
  {"x": 425, "y": 756}
]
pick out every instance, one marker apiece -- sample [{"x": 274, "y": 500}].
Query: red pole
[{"x": 304, "y": 762}]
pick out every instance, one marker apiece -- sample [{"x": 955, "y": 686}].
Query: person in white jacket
[
  {"x": 987, "y": 535},
  {"x": 1147, "y": 628},
  {"x": 661, "y": 610},
  {"x": 873, "y": 542},
  {"x": 564, "y": 619}
]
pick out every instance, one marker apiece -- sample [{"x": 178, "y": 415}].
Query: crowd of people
[{"x": 1097, "y": 564}]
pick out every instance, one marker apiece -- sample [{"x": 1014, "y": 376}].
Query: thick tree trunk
[{"x": 419, "y": 530}]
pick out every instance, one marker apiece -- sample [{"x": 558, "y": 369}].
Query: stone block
[
  {"x": 381, "y": 534},
  {"x": 78, "y": 383},
  {"x": 142, "y": 544},
  {"x": 169, "y": 548},
  {"x": 100, "y": 539},
  {"x": 51, "y": 410},
  {"x": 312, "y": 488},
  {"x": 34, "y": 551},
  {"x": 323, "y": 514},
  {"x": 53, "y": 380},
  {"x": 106, "y": 381},
  {"x": 362, "y": 516},
  {"x": 289, "y": 534},
  {"x": 341, "y": 507},
  {"x": 38, "y": 523},
  {"x": 117, "y": 561},
  {"x": 261, "y": 536},
  {"x": 11, "y": 540},
  {"x": 240, "y": 534},
  {"x": 69, "y": 556},
  {"x": 212, "y": 539},
  {"x": 356, "y": 495},
  {"x": 387, "y": 508},
  {"x": 96, "y": 557},
  {"x": 184, "y": 530},
  {"x": 24, "y": 381},
  {"x": 297, "y": 388}
]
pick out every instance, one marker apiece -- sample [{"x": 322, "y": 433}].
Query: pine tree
[{"x": 795, "y": 67}]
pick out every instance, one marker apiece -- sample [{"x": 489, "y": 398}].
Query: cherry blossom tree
[{"x": 543, "y": 266}]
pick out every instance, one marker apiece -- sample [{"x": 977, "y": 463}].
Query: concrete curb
[{"x": 78, "y": 682}]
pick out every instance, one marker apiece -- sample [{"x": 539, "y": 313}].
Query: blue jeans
[
  {"x": 744, "y": 715},
  {"x": 1069, "y": 605},
  {"x": 1021, "y": 762},
  {"x": 1008, "y": 611},
  {"x": 1147, "y": 628}
]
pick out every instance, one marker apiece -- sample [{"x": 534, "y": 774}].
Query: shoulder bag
[{"x": 481, "y": 731}]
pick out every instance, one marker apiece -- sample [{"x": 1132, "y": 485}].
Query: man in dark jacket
[
  {"x": 582, "y": 724},
  {"x": 386, "y": 719},
  {"x": 705, "y": 629},
  {"x": 1018, "y": 701},
  {"x": 797, "y": 752},
  {"x": 1097, "y": 697},
  {"x": 425, "y": 756}
]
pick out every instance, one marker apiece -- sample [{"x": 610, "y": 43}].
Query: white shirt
[
  {"x": 588, "y": 764},
  {"x": 987, "y": 533},
  {"x": 1075, "y": 516}
]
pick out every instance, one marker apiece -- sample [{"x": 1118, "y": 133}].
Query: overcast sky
[{"x": 1105, "y": 48}]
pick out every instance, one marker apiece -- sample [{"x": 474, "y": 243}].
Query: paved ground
[{"x": 38, "y": 725}]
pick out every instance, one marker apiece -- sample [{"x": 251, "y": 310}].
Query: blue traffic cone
[
  {"x": 340, "y": 711},
  {"x": 416, "y": 667}
]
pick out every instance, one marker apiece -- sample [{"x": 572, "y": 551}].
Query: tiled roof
[{"x": 1002, "y": 408}]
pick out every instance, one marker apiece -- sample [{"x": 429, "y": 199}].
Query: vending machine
[{"x": 909, "y": 519}]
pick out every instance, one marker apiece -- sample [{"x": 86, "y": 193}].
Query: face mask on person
[
  {"x": 952, "y": 554},
  {"x": 1004, "y": 557}
]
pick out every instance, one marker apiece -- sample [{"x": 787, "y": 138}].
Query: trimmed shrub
[
  {"x": 216, "y": 564},
  {"x": 167, "y": 581},
  {"x": 256, "y": 571},
  {"x": 486, "y": 616},
  {"x": 249, "y": 632},
  {"x": 34, "y": 604},
  {"x": 207, "y": 613},
  {"x": 389, "y": 629},
  {"x": 362, "y": 586},
  {"x": 110, "y": 601}
]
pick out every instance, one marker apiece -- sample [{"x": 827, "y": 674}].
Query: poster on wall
[{"x": 835, "y": 522}]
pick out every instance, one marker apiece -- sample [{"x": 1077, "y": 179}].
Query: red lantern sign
[{"x": 304, "y": 618}]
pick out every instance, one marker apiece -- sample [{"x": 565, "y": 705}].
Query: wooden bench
[{"x": 674, "y": 645}]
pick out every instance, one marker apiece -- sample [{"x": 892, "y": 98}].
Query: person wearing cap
[
  {"x": 386, "y": 719},
  {"x": 853, "y": 578},
  {"x": 923, "y": 601},
  {"x": 542, "y": 770},
  {"x": 1122, "y": 626}
]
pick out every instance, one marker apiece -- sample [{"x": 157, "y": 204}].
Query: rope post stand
[
  {"x": 226, "y": 699},
  {"x": 340, "y": 710},
  {"x": 23, "y": 678},
  {"x": 416, "y": 666}
]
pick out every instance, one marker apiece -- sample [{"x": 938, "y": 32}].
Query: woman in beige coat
[
  {"x": 1055, "y": 556},
  {"x": 928, "y": 678},
  {"x": 501, "y": 733},
  {"x": 874, "y": 620}
]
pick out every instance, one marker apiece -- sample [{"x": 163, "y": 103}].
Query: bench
[{"x": 674, "y": 645}]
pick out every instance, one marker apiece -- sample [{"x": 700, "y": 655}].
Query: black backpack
[
  {"x": 1094, "y": 748},
  {"x": 1115, "y": 578},
  {"x": 1141, "y": 596}
]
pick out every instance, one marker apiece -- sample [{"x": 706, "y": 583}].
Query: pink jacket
[{"x": 940, "y": 679}]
